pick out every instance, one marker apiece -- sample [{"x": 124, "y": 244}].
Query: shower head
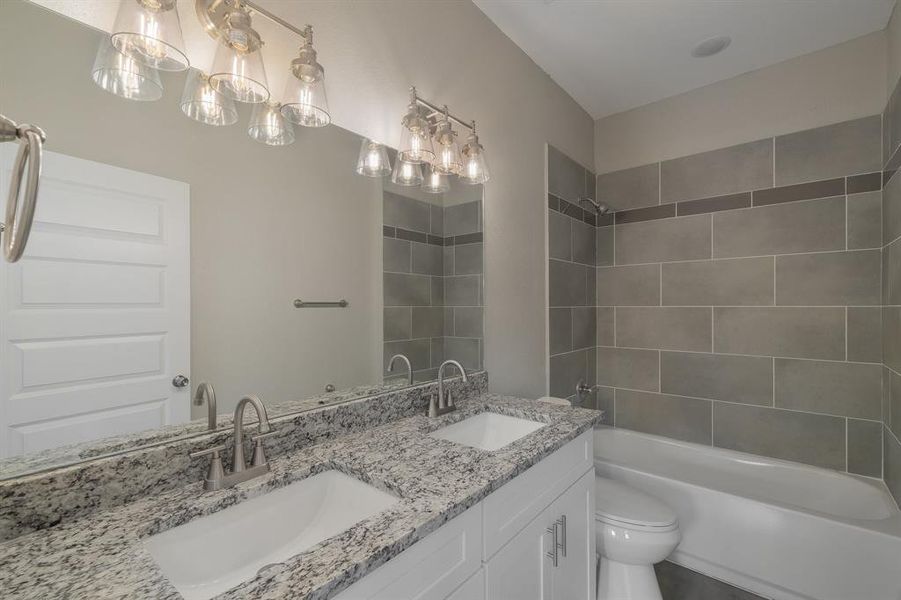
[{"x": 599, "y": 207}]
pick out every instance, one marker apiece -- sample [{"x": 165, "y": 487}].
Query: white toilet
[{"x": 633, "y": 531}]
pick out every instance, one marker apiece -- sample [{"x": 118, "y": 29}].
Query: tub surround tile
[
  {"x": 807, "y": 226},
  {"x": 565, "y": 371},
  {"x": 637, "y": 285},
  {"x": 603, "y": 397},
  {"x": 584, "y": 327},
  {"x": 407, "y": 290},
  {"x": 583, "y": 243},
  {"x": 646, "y": 214},
  {"x": 865, "y": 334},
  {"x": 560, "y": 330},
  {"x": 559, "y": 236},
  {"x": 865, "y": 447},
  {"x": 396, "y": 255},
  {"x": 630, "y": 188},
  {"x": 801, "y": 191},
  {"x": 781, "y": 331},
  {"x": 664, "y": 328},
  {"x": 891, "y": 469},
  {"x": 417, "y": 350},
  {"x": 682, "y": 238},
  {"x": 397, "y": 322},
  {"x": 715, "y": 204},
  {"x": 410, "y": 214},
  {"x": 468, "y": 351},
  {"x": 829, "y": 279},
  {"x": 869, "y": 182},
  {"x": 836, "y": 388},
  {"x": 864, "y": 220},
  {"x": 718, "y": 172},
  {"x": 803, "y": 437},
  {"x": 604, "y": 246},
  {"x": 891, "y": 337},
  {"x": 891, "y": 210},
  {"x": 567, "y": 284},
  {"x": 605, "y": 330},
  {"x": 628, "y": 368},
  {"x": 462, "y": 219},
  {"x": 728, "y": 282},
  {"x": 103, "y": 556},
  {"x": 686, "y": 419},
  {"x": 744, "y": 379}
]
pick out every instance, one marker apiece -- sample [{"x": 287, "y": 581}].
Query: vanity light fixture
[
  {"x": 475, "y": 166},
  {"x": 305, "y": 102},
  {"x": 447, "y": 157},
  {"x": 373, "y": 159},
  {"x": 269, "y": 126},
  {"x": 435, "y": 181},
  {"x": 238, "y": 71},
  {"x": 123, "y": 76},
  {"x": 415, "y": 134},
  {"x": 199, "y": 101},
  {"x": 147, "y": 38},
  {"x": 406, "y": 172},
  {"x": 424, "y": 123},
  {"x": 149, "y": 31}
]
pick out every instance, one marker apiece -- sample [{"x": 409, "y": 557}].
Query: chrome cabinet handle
[
  {"x": 562, "y": 522},
  {"x": 180, "y": 381},
  {"x": 552, "y": 553},
  {"x": 18, "y": 226}
]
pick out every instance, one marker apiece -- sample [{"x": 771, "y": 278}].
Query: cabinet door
[
  {"x": 473, "y": 589},
  {"x": 521, "y": 570},
  {"x": 573, "y": 579}
]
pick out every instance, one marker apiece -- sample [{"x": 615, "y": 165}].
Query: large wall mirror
[{"x": 163, "y": 247}]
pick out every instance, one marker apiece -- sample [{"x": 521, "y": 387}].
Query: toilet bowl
[{"x": 633, "y": 531}]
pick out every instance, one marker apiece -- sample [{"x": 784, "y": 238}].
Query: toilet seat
[{"x": 622, "y": 506}]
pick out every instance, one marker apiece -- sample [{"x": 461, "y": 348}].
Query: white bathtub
[{"x": 779, "y": 529}]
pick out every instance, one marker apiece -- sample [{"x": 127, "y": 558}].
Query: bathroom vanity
[{"x": 384, "y": 507}]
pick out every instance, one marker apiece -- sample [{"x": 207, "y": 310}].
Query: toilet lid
[{"x": 617, "y": 502}]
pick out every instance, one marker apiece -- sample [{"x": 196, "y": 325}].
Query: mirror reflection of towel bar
[
  {"x": 342, "y": 303},
  {"x": 18, "y": 224}
]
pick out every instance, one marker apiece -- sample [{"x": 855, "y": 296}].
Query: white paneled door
[{"x": 95, "y": 318}]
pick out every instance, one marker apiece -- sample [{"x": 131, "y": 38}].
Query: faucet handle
[
  {"x": 215, "y": 450},
  {"x": 216, "y": 473},
  {"x": 259, "y": 456}
]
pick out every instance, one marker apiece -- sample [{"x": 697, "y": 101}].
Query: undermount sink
[
  {"x": 212, "y": 554},
  {"x": 487, "y": 431}
]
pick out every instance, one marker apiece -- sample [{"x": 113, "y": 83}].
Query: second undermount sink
[
  {"x": 487, "y": 431},
  {"x": 212, "y": 554}
]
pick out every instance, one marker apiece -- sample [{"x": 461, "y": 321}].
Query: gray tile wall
[
  {"x": 891, "y": 294},
  {"x": 433, "y": 280},
  {"x": 572, "y": 256},
  {"x": 740, "y": 299}
]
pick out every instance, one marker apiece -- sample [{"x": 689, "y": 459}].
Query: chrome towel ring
[{"x": 17, "y": 224}]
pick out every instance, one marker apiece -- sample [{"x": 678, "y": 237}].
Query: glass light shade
[
  {"x": 415, "y": 137},
  {"x": 305, "y": 102},
  {"x": 406, "y": 172},
  {"x": 202, "y": 103},
  {"x": 475, "y": 166},
  {"x": 435, "y": 182},
  {"x": 124, "y": 76},
  {"x": 373, "y": 159},
  {"x": 448, "y": 158},
  {"x": 239, "y": 75},
  {"x": 269, "y": 126},
  {"x": 149, "y": 31}
]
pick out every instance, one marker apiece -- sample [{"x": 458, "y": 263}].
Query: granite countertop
[{"x": 101, "y": 556}]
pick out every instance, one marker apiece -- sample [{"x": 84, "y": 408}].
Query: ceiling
[{"x": 613, "y": 55}]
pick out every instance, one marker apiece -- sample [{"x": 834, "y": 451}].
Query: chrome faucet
[
  {"x": 406, "y": 361},
  {"x": 444, "y": 403},
  {"x": 216, "y": 478},
  {"x": 206, "y": 390}
]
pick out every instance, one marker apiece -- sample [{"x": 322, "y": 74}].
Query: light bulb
[
  {"x": 372, "y": 160},
  {"x": 149, "y": 31}
]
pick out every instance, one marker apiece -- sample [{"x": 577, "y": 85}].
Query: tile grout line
[{"x": 734, "y": 354}]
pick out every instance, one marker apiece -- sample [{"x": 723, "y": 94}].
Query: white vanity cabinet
[{"x": 501, "y": 548}]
